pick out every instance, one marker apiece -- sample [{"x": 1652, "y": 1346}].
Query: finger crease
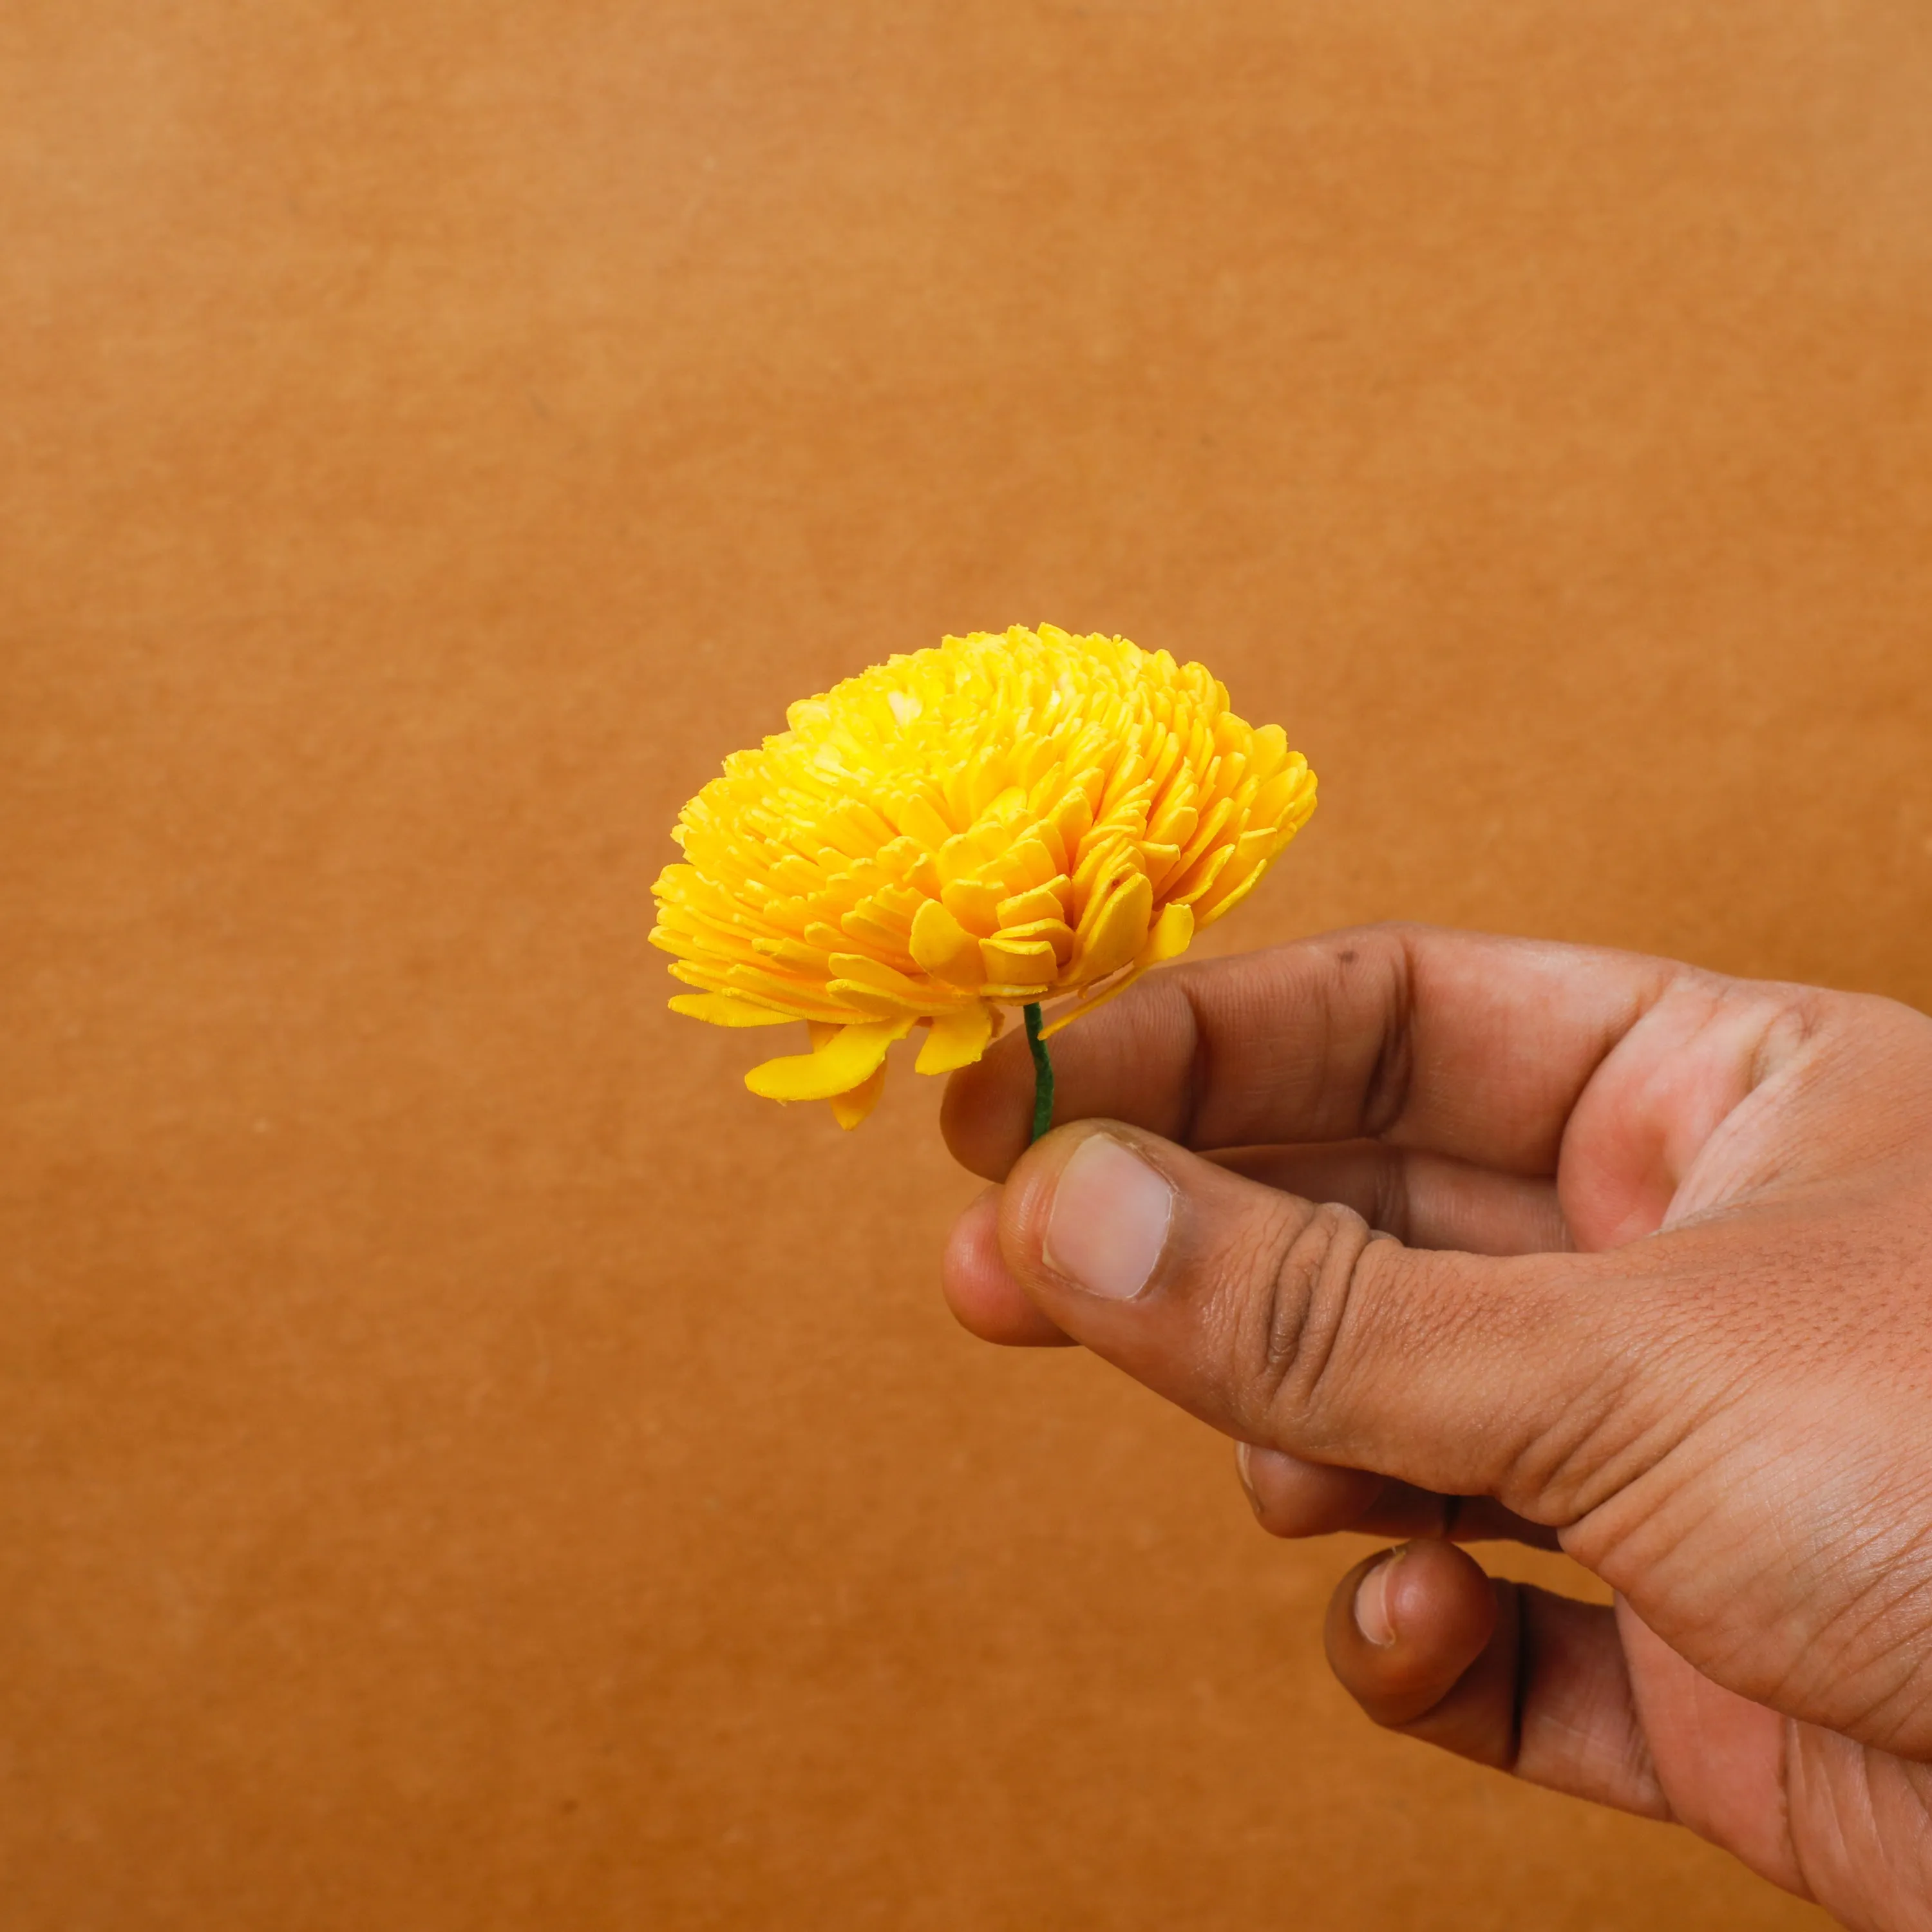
[
  {"x": 1385, "y": 1094},
  {"x": 1392, "y": 1201},
  {"x": 1525, "y": 1667},
  {"x": 1199, "y": 1082}
]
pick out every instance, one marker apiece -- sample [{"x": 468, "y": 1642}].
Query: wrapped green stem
[{"x": 1042, "y": 1073}]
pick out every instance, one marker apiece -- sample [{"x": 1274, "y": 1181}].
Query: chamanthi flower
[{"x": 1003, "y": 821}]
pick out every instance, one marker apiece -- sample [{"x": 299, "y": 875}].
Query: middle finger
[{"x": 1291, "y": 1497}]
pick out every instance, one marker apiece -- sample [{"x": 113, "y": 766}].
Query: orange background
[{"x": 463, "y": 1463}]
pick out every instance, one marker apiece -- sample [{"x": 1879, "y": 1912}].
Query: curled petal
[
  {"x": 957, "y": 1040},
  {"x": 848, "y": 1058},
  {"x": 849, "y": 1109}
]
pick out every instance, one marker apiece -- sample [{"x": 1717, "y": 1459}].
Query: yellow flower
[{"x": 1002, "y": 820}]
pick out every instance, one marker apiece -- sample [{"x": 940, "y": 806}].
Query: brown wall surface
[{"x": 464, "y": 1463}]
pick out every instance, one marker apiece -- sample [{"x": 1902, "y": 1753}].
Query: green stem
[{"x": 1042, "y": 1074}]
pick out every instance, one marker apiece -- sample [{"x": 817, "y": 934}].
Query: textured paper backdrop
[{"x": 464, "y": 1463}]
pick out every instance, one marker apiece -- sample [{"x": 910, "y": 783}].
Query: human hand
[{"x": 1656, "y": 1288}]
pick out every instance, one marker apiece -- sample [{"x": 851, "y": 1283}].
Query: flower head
[{"x": 1004, "y": 820}]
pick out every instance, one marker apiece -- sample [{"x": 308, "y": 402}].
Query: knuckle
[{"x": 1305, "y": 1281}]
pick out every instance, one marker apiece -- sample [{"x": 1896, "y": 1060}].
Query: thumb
[{"x": 1289, "y": 1324}]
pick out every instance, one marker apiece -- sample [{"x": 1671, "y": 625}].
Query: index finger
[{"x": 1463, "y": 1044}]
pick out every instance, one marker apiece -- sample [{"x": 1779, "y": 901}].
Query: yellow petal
[
  {"x": 1252, "y": 851},
  {"x": 1119, "y": 930},
  {"x": 943, "y": 947},
  {"x": 857, "y": 997},
  {"x": 1024, "y": 962},
  {"x": 1047, "y": 833},
  {"x": 1199, "y": 880},
  {"x": 959, "y": 858},
  {"x": 1157, "y": 860},
  {"x": 721, "y": 1009},
  {"x": 1029, "y": 864},
  {"x": 1039, "y": 902},
  {"x": 849, "y": 1109},
  {"x": 976, "y": 907},
  {"x": 919, "y": 818},
  {"x": 1172, "y": 935},
  {"x": 1273, "y": 799},
  {"x": 1269, "y": 747},
  {"x": 1119, "y": 986},
  {"x": 957, "y": 1039},
  {"x": 1056, "y": 932},
  {"x": 847, "y": 1059},
  {"x": 797, "y": 996},
  {"x": 875, "y": 973},
  {"x": 1075, "y": 812},
  {"x": 1103, "y": 855}
]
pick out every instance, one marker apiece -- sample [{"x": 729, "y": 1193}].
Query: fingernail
[
  {"x": 1244, "y": 1469},
  {"x": 1372, "y": 1603},
  {"x": 1109, "y": 1218}
]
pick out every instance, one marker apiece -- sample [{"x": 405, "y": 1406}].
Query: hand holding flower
[{"x": 1652, "y": 1284}]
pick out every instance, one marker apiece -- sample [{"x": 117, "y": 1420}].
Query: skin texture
[{"x": 1466, "y": 1238}]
